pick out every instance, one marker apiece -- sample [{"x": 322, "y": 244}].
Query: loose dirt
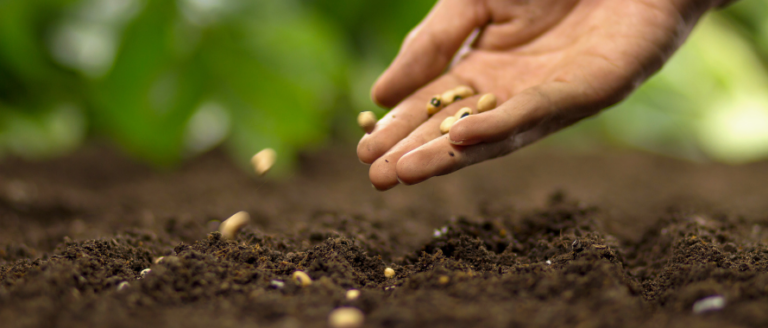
[{"x": 538, "y": 239}]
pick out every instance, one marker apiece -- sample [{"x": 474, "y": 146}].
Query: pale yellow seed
[
  {"x": 448, "y": 97},
  {"x": 389, "y": 272},
  {"x": 366, "y": 121},
  {"x": 346, "y": 318},
  {"x": 353, "y": 294},
  {"x": 435, "y": 105},
  {"x": 464, "y": 112},
  {"x": 443, "y": 280},
  {"x": 159, "y": 259},
  {"x": 230, "y": 227},
  {"x": 302, "y": 278},
  {"x": 486, "y": 102},
  {"x": 447, "y": 123},
  {"x": 264, "y": 160},
  {"x": 464, "y": 91}
]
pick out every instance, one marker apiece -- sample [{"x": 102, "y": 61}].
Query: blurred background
[{"x": 169, "y": 80}]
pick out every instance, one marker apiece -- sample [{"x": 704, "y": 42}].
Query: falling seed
[
  {"x": 264, "y": 160},
  {"x": 159, "y": 259},
  {"x": 707, "y": 304},
  {"x": 389, "y": 272},
  {"x": 447, "y": 123},
  {"x": 230, "y": 227},
  {"x": 302, "y": 278},
  {"x": 353, "y": 294},
  {"x": 463, "y": 91},
  {"x": 145, "y": 272},
  {"x": 462, "y": 113},
  {"x": 486, "y": 102},
  {"x": 277, "y": 284},
  {"x": 449, "y": 97},
  {"x": 123, "y": 285},
  {"x": 434, "y": 105},
  {"x": 367, "y": 121},
  {"x": 346, "y": 318},
  {"x": 443, "y": 280}
]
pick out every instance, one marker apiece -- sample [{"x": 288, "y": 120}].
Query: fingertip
[
  {"x": 383, "y": 175},
  {"x": 461, "y": 132},
  {"x": 409, "y": 170},
  {"x": 366, "y": 150},
  {"x": 381, "y": 93}
]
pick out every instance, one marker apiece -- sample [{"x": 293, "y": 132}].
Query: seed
[
  {"x": 389, "y": 272},
  {"x": 486, "y": 102},
  {"x": 449, "y": 97},
  {"x": 264, "y": 160},
  {"x": 464, "y": 91},
  {"x": 145, "y": 272},
  {"x": 367, "y": 121},
  {"x": 230, "y": 227},
  {"x": 462, "y": 113},
  {"x": 123, "y": 285},
  {"x": 577, "y": 247},
  {"x": 159, "y": 259},
  {"x": 302, "y": 278},
  {"x": 447, "y": 124},
  {"x": 353, "y": 294},
  {"x": 277, "y": 284},
  {"x": 346, "y": 318},
  {"x": 711, "y": 303},
  {"x": 443, "y": 280},
  {"x": 434, "y": 105}
]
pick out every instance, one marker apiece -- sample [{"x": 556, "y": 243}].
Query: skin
[{"x": 551, "y": 63}]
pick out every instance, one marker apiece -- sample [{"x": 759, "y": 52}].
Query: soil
[{"x": 542, "y": 238}]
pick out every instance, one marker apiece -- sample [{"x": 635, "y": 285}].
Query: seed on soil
[
  {"x": 302, "y": 278},
  {"x": 352, "y": 294},
  {"x": 389, "y": 272},
  {"x": 346, "y": 318},
  {"x": 447, "y": 123},
  {"x": 123, "y": 285},
  {"x": 159, "y": 259},
  {"x": 486, "y": 102},
  {"x": 443, "y": 280},
  {"x": 230, "y": 227},
  {"x": 145, "y": 272},
  {"x": 434, "y": 105},
  {"x": 264, "y": 160},
  {"x": 707, "y": 304},
  {"x": 462, "y": 113},
  {"x": 277, "y": 284},
  {"x": 367, "y": 121},
  {"x": 549, "y": 262},
  {"x": 449, "y": 97},
  {"x": 464, "y": 91}
]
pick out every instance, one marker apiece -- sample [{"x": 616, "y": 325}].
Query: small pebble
[
  {"x": 123, "y": 285},
  {"x": 277, "y": 284},
  {"x": 486, "y": 102},
  {"x": 462, "y": 113},
  {"x": 707, "y": 304},
  {"x": 353, "y": 294},
  {"x": 145, "y": 272},
  {"x": 447, "y": 123},
  {"x": 346, "y": 318},
  {"x": 231, "y": 226},
  {"x": 302, "y": 278},
  {"x": 367, "y": 121},
  {"x": 389, "y": 272},
  {"x": 434, "y": 105},
  {"x": 264, "y": 160}
]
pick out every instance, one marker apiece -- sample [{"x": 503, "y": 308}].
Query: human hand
[{"x": 550, "y": 63}]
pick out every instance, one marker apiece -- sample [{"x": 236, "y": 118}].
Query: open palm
[{"x": 551, "y": 63}]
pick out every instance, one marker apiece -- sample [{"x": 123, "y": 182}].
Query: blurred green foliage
[{"x": 167, "y": 80}]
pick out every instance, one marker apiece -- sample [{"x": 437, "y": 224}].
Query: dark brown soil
[{"x": 538, "y": 239}]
